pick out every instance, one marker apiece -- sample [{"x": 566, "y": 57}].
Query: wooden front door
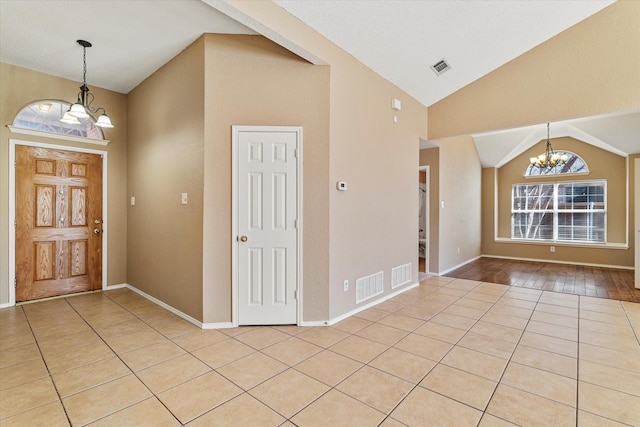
[{"x": 58, "y": 222}]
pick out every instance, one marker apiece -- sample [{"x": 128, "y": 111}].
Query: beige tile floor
[{"x": 449, "y": 352}]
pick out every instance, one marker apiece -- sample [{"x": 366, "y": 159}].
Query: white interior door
[{"x": 266, "y": 225}]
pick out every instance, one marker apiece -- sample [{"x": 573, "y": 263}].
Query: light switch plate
[{"x": 184, "y": 198}]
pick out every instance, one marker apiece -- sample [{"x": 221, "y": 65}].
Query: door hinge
[
  {"x": 295, "y": 223},
  {"x": 15, "y": 223},
  {"x": 295, "y": 153},
  {"x": 15, "y": 283},
  {"x": 295, "y": 294}
]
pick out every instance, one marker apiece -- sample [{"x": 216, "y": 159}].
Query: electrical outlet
[
  {"x": 346, "y": 285},
  {"x": 552, "y": 248},
  {"x": 458, "y": 250}
]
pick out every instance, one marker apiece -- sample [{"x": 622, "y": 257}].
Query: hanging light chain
[
  {"x": 82, "y": 107},
  {"x": 549, "y": 159},
  {"x": 84, "y": 62}
]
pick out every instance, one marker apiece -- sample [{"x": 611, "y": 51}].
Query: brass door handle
[
  {"x": 97, "y": 221},
  {"x": 97, "y": 231},
  {"x": 243, "y": 238}
]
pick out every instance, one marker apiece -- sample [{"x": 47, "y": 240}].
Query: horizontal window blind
[{"x": 567, "y": 212}]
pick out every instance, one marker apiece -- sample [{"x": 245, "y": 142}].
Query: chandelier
[
  {"x": 82, "y": 108},
  {"x": 550, "y": 158}
]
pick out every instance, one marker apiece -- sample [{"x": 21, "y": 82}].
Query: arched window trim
[
  {"x": 552, "y": 175},
  {"x": 15, "y": 127}
]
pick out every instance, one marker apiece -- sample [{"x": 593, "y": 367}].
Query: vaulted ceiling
[{"x": 398, "y": 39}]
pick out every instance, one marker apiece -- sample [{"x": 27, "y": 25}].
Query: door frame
[
  {"x": 12, "y": 207},
  {"x": 636, "y": 223},
  {"x": 427, "y": 201},
  {"x": 235, "y": 130}
]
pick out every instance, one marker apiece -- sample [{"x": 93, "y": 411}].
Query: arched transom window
[
  {"x": 573, "y": 165},
  {"x": 45, "y": 115}
]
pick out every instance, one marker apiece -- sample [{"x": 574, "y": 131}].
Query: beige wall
[
  {"x": 460, "y": 194},
  {"x": 373, "y": 225},
  {"x": 591, "y": 68},
  {"x": 456, "y": 202},
  {"x": 252, "y": 81},
  {"x": 602, "y": 165},
  {"x": 431, "y": 157},
  {"x": 20, "y": 87},
  {"x": 165, "y": 159}
]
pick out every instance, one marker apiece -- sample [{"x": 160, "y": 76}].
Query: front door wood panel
[{"x": 58, "y": 207}]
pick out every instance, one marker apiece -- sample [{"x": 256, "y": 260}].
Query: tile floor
[{"x": 449, "y": 352}]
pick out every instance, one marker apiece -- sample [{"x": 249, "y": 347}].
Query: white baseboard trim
[
  {"x": 369, "y": 305},
  {"x": 553, "y": 261},
  {"x": 219, "y": 325},
  {"x": 112, "y": 287},
  {"x": 312, "y": 323},
  {"x": 6, "y": 305},
  {"x": 165, "y": 306},
  {"x": 442, "y": 273}
]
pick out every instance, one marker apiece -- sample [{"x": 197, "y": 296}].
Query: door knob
[
  {"x": 96, "y": 231},
  {"x": 243, "y": 238}
]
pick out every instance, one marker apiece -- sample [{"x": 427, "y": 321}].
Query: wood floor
[{"x": 608, "y": 283}]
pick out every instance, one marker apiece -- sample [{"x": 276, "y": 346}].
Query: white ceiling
[
  {"x": 617, "y": 132},
  {"x": 401, "y": 39},
  {"x": 398, "y": 39},
  {"x": 131, "y": 39}
]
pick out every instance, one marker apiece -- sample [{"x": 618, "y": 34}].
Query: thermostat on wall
[{"x": 341, "y": 186}]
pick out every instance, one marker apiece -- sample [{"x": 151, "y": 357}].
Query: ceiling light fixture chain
[
  {"x": 82, "y": 107},
  {"x": 84, "y": 61},
  {"x": 550, "y": 158}
]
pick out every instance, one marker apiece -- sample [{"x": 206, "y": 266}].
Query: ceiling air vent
[{"x": 440, "y": 66}]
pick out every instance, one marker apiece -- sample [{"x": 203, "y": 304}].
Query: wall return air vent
[
  {"x": 441, "y": 66},
  {"x": 369, "y": 286}
]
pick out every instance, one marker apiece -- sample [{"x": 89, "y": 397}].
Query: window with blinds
[{"x": 563, "y": 212}]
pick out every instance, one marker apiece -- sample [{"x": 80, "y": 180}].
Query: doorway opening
[{"x": 423, "y": 222}]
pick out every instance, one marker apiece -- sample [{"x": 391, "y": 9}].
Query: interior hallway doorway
[{"x": 423, "y": 222}]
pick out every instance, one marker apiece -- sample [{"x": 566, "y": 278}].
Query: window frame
[
  {"x": 556, "y": 210},
  {"x": 556, "y": 171},
  {"x": 77, "y": 133}
]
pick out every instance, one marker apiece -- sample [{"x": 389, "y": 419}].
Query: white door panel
[{"x": 267, "y": 174}]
